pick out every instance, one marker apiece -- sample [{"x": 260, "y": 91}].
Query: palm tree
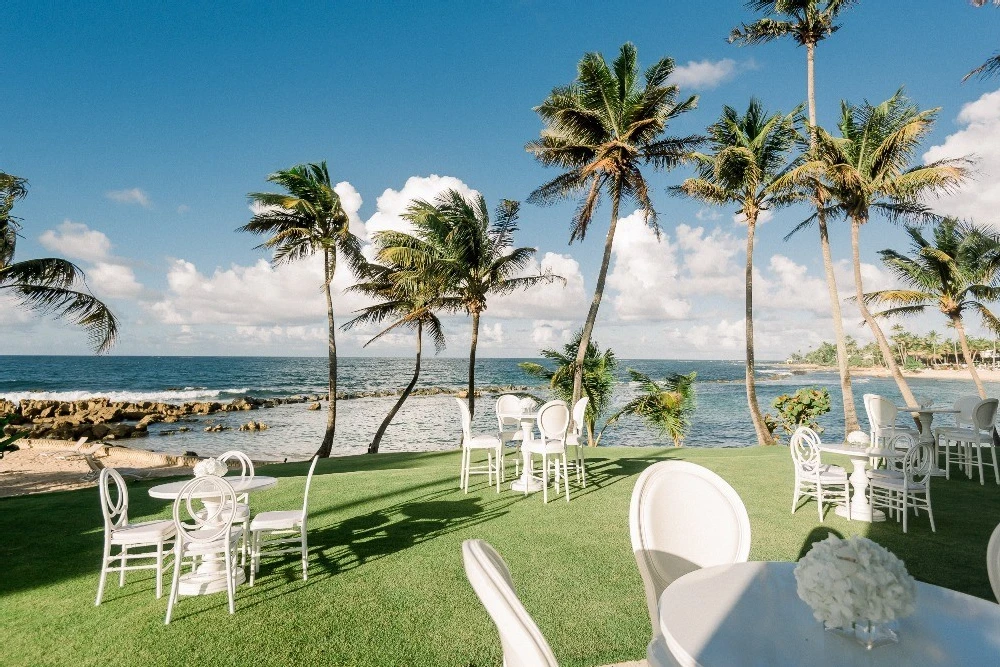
[
  {"x": 666, "y": 407},
  {"x": 750, "y": 153},
  {"x": 49, "y": 285},
  {"x": 601, "y": 130},
  {"x": 809, "y": 22},
  {"x": 454, "y": 237},
  {"x": 406, "y": 298},
  {"x": 992, "y": 66},
  {"x": 598, "y": 379},
  {"x": 957, "y": 272},
  {"x": 869, "y": 168},
  {"x": 308, "y": 219}
]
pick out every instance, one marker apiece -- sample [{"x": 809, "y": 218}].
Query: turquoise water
[{"x": 425, "y": 422}]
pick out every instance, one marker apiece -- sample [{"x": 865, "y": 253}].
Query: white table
[
  {"x": 207, "y": 577},
  {"x": 749, "y": 614},
  {"x": 525, "y": 481},
  {"x": 925, "y": 417},
  {"x": 861, "y": 509}
]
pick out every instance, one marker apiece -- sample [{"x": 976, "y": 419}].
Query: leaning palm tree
[
  {"x": 808, "y": 22},
  {"x": 454, "y": 237},
  {"x": 957, "y": 272},
  {"x": 598, "y": 379},
  {"x": 48, "y": 285},
  {"x": 868, "y": 169},
  {"x": 750, "y": 152},
  {"x": 992, "y": 66},
  {"x": 304, "y": 220},
  {"x": 666, "y": 407},
  {"x": 407, "y": 298},
  {"x": 601, "y": 130}
]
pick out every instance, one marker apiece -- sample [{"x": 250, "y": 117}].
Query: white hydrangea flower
[{"x": 210, "y": 466}]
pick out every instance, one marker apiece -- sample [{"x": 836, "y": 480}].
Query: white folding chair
[
  {"x": 814, "y": 479},
  {"x": 270, "y": 531},
  {"x": 993, "y": 562},
  {"x": 510, "y": 431},
  {"x": 971, "y": 441},
  {"x": 912, "y": 489},
  {"x": 963, "y": 421},
  {"x": 243, "y": 499},
  {"x": 882, "y": 414},
  {"x": 523, "y": 643},
  {"x": 553, "y": 423},
  {"x": 682, "y": 517},
  {"x": 577, "y": 439},
  {"x": 204, "y": 534},
  {"x": 118, "y": 532},
  {"x": 470, "y": 443}
]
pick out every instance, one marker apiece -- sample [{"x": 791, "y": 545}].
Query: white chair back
[
  {"x": 508, "y": 404},
  {"x": 993, "y": 562},
  {"x": 246, "y": 465},
  {"x": 984, "y": 414},
  {"x": 966, "y": 405},
  {"x": 309, "y": 479},
  {"x": 579, "y": 416},
  {"x": 804, "y": 446},
  {"x": 114, "y": 502},
  {"x": 215, "y": 520},
  {"x": 882, "y": 412},
  {"x": 684, "y": 517},
  {"x": 463, "y": 410},
  {"x": 917, "y": 464},
  {"x": 553, "y": 421},
  {"x": 522, "y": 641}
]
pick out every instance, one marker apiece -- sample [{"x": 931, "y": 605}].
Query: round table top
[
  {"x": 169, "y": 491},
  {"x": 850, "y": 450},
  {"x": 750, "y": 614},
  {"x": 523, "y": 416},
  {"x": 930, "y": 410}
]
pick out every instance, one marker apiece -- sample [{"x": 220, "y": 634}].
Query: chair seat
[
  {"x": 242, "y": 512},
  {"x": 482, "y": 442},
  {"x": 894, "y": 483},
  {"x": 280, "y": 520},
  {"x": 958, "y": 433},
  {"x": 143, "y": 533},
  {"x": 573, "y": 440},
  {"x": 537, "y": 446},
  {"x": 192, "y": 547},
  {"x": 828, "y": 474},
  {"x": 889, "y": 473}
]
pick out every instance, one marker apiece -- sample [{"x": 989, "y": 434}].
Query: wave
[{"x": 164, "y": 396}]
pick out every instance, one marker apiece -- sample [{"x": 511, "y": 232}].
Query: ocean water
[{"x": 425, "y": 422}]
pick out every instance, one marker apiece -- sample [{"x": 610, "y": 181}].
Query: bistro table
[
  {"x": 925, "y": 417},
  {"x": 750, "y": 614},
  {"x": 207, "y": 577},
  {"x": 860, "y": 508},
  {"x": 527, "y": 421}
]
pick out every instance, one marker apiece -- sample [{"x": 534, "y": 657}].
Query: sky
[{"x": 142, "y": 127}]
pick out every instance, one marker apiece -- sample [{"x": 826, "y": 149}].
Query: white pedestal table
[
  {"x": 860, "y": 509},
  {"x": 925, "y": 417},
  {"x": 524, "y": 482}
]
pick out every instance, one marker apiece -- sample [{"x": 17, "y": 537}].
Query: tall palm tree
[
  {"x": 407, "y": 298},
  {"x": 49, "y": 285},
  {"x": 750, "y": 152},
  {"x": 601, "y": 130},
  {"x": 809, "y": 22},
  {"x": 598, "y": 379},
  {"x": 957, "y": 272},
  {"x": 992, "y": 66},
  {"x": 868, "y": 168},
  {"x": 304, "y": 220},
  {"x": 666, "y": 407},
  {"x": 453, "y": 236}
]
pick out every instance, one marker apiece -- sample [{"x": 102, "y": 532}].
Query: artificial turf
[{"x": 386, "y": 584}]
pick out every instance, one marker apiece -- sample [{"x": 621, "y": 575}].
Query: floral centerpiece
[
  {"x": 210, "y": 466},
  {"x": 856, "y": 586}
]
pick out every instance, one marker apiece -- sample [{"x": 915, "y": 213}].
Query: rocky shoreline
[{"x": 102, "y": 419}]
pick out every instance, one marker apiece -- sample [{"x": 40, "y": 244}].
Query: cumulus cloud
[
  {"x": 709, "y": 261},
  {"x": 130, "y": 196},
  {"x": 552, "y": 333},
  {"x": 115, "y": 281},
  {"x": 645, "y": 274},
  {"x": 704, "y": 74},
  {"x": 762, "y": 218},
  {"x": 109, "y": 276},
  {"x": 391, "y": 204},
  {"x": 707, "y": 214},
  {"x": 555, "y": 299}
]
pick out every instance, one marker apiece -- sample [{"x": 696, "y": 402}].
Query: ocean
[{"x": 425, "y": 423}]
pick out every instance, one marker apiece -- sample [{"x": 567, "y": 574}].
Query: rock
[
  {"x": 190, "y": 453},
  {"x": 215, "y": 428},
  {"x": 315, "y": 406},
  {"x": 169, "y": 419},
  {"x": 100, "y": 430},
  {"x": 254, "y": 426}
]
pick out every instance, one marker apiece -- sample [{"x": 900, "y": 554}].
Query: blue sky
[{"x": 142, "y": 126}]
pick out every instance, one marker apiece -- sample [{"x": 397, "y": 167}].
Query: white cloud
[
  {"x": 350, "y": 201},
  {"x": 182, "y": 209},
  {"x": 391, "y": 204},
  {"x": 763, "y": 217},
  {"x": 708, "y": 263},
  {"x": 723, "y": 336},
  {"x": 552, "y": 333},
  {"x": 77, "y": 241},
  {"x": 789, "y": 286},
  {"x": 704, "y": 74},
  {"x": 706, "y": 214},
  {"x": 554, "y": 299},
  {"x": 130, "y": 196},
  {"x": 115, "y": 281},
  {"x": 979, "y": 199}
]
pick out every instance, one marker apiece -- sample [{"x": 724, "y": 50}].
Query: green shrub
[{"x": 801, "y": 409}]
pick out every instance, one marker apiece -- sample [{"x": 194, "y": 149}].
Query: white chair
[
  {"x": 243, "y": 499},
  {"x": 490, "y": 443},
  {"x": 963, "y": 420},
  {"x": 971, "y": 441},
  {"x": 553, "y": 423},
  {"x": 510, "y": 431},
  {"x": 814, "y": 479},
  {"x": 118, "y": 532},
  {"x": 683, "y": 517},
  {"x": 270, "y": 531},
  {"x": 993, "y": 562},
  {"x": 203, "y": 535},
  {"x": 523, "y": 643},
  {"x": 577, "y": 439},
  {"x": 882, "y": 415},
  {"x": 912, "y": 489}
]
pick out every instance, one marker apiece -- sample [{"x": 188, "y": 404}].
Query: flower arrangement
[
  {"x": 210, "y": 466},
  {"x": 858, "y": 439},
  {"x": 854, "y": 582}
]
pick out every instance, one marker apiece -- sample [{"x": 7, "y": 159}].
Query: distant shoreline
[{"x": 985, "y": 374}]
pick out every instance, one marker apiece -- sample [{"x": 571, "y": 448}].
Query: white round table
[
  {"x": 749, "y": 614},
  {"x": 525, "y": 481},
  {"x": 208, "y": 576},
  {"x": 861, "y": 509}
]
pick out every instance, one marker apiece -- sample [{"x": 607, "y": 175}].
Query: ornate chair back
[
  {"x": 114, "y": 501},
  {"x": 553, "y": 421},
  {"x": 215, "y": 520},
  {"x": 804, "y": 446},
  {"x": 985, "y": 414}
]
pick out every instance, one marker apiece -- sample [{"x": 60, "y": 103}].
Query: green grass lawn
[{"x": 386, "y": 584}]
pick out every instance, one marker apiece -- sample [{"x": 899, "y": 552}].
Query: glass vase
[{"x": 868, "y": 634}]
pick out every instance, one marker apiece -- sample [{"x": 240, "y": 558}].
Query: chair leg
[
  {"x": 231, "y": 577},
  {"x": 121, "y": 573},
  {"x": 565, "y": 476},
  {"x": 104, "y": 576},
  {"x": 159, "y": 570},
  {"x": 993, "y": 452},
  {"x": 979, "y": 458},
  {"x": 545, "y": 478},
  {"x": 175, "y": 582},
  {"x": 795, "y": 495},
  {"x": 906, "y": 513},
  {"x": 305, "y": 555},
  {"x": 819, "y": 501},
  {"x": 930, "y": 512}
]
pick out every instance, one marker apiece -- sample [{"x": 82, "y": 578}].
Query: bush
[{"x": 801, "y": 408}]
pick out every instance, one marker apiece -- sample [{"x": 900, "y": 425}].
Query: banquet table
[
  {"x": 861, "y": 509},
  {"x": 750, "y": 614},
  {"x": 527, "y": 421},
  {"x": 207, "y": 577},
  {"x": 925, "y": 417}
]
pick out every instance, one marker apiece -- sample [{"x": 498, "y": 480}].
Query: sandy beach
[{"x": 985, "y": 374}]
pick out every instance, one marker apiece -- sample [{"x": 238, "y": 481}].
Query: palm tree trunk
[
  {"x": 967, "y": 353},
  {"x": 472, "y": 364},
  {"x": 331, "y": 414},
  {"x": 763, "y": 435},
  {"x": 843, "y": 360},
  {"x": 859, "y": 294},
  {"x": 595, "y": 304},
  {"x": 373, "y": 447}
]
